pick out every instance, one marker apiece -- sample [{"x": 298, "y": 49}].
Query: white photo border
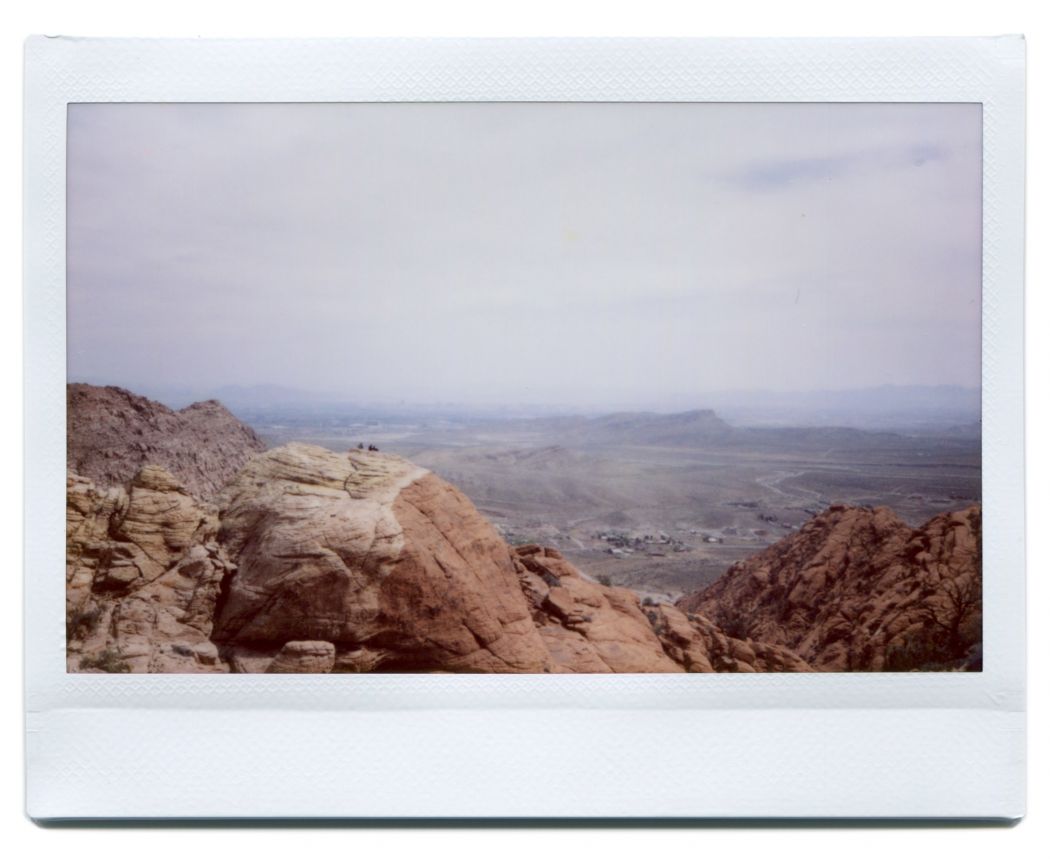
[{"x": 765, "y": 745}]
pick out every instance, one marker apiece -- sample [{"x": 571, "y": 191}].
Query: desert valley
[{"x": 306, "y": 538}]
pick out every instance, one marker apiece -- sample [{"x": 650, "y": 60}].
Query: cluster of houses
[{"x": 652, "y": 544}]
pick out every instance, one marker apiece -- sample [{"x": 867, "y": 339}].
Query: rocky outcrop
[
  {"x": 112, "y": 433},
  {"x": 700, "y": 646},
  {"x": 318, "y": 562},
  {"x": 859, "y": 589},
  {"x": 378, "y": 565},
  {"x": 587, "y": 627},
  {"x": 375, "y": 555},
  {"x": 591, "y": 628},
  {"x": 312, "y": 561},
  {"x": 142, "y": 576}
]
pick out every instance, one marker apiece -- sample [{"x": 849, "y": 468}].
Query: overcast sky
[{"x": 601, "y": 254}]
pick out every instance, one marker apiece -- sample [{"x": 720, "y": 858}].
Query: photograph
[{"x": 523, "y": 387}]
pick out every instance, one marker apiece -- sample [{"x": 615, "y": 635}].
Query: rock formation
[
  {"x": 112, "y": 433},
  {"x": 859, "y": 589},
  {"x": 371, "y": 553},
  {"x": 311, "y": 561},
  {"x": 320, "y": 562},
  {"x": 590, "y": 628},
  {"x": 143, "y": 571}
]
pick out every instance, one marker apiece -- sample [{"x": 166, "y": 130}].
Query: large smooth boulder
[{"x": 383, "y": 559}]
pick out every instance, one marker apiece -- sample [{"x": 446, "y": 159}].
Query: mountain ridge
[
  {"x": 309, "y": 560},
  {"x": 112, "y": 433}
]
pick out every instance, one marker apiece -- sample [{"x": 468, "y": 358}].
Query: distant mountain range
[
  {"x": 704, "y": 428},
  {"x": 954, "y": 410},
  {"x": 881, "y": 407}
]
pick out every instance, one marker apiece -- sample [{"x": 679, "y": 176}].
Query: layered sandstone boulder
[
  {"x": 859, "y": 589},
  {"x": 112, "y": 433},
  {"x": 142, "y": 577},
  {"x": 379, "y": 557}
]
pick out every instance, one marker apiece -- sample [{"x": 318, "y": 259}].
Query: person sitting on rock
[{"x": 361, "y": 446}]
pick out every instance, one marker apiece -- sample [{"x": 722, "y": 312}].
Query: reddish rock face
[
  {"x": 112, "y": 433},
  {"x": 858, "y": 589},
  {"x": 590, "y": 628},
  {"x": 371, "y": 553},
  {"x": 587, "y": 627}
]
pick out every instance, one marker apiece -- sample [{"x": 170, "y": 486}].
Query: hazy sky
[{"x": 560, "y": 253}]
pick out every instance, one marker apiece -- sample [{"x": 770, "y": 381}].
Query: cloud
[{"x": 777, "y": 174}]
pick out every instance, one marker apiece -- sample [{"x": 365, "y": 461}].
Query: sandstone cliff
[
  {"x": 112, "y": 433},
  {"x": 312, "y": 561},
  {"x": 858, "y": 589}
]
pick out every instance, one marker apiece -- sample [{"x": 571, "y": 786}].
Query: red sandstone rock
[{"x": 858, "y": 589}]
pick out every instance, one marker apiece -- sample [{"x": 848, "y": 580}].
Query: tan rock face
[
  {"x": 112, "y": 433},
  {"x": 143, "y": 574},
  {"x": 858, "y": 589},
  {"x": 371, "y": 553}
]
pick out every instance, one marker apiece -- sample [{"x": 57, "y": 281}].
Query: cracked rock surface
[{"x": 859, "y": 589}]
